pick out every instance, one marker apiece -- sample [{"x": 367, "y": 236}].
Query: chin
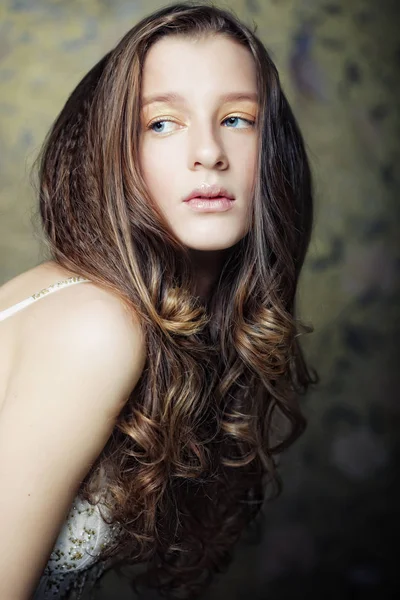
[
  {"x": 210, "y": 247},
  {"x": 212, "y": 243}
]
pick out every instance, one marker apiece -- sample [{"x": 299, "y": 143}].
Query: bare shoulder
[
  {"x": 85, "y": 303},
  {"x": 84, "y": 323}
]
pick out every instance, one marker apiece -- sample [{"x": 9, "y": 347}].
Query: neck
[{"x": 207, "y": 266}]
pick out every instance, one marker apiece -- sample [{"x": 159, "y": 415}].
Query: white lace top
[{"x": 73, "y": 565}]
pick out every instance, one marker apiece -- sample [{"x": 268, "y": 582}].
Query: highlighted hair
[{"x": 194, "y": 449}]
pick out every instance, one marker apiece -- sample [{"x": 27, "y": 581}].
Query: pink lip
[
  {"x": 213, "y": 191},
  {"x": 207, "y": 205}
]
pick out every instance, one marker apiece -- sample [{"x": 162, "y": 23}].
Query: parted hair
[{"x": 194, "y": 450}]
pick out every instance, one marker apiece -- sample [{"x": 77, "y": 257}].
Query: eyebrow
[{"x": 174, "y": 98}]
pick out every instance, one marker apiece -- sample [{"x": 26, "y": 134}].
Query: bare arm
[{"x": 68, "y": 385}]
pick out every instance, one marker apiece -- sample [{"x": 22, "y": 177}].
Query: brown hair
[{"x": 194, "y": 448}]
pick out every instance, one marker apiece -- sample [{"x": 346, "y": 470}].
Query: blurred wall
[{"x": 330, "y": 534}]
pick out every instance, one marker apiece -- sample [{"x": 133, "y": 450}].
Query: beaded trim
[{"x": 73, "y": 563}]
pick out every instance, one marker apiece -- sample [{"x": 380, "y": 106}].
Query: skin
[{"x": 204, "y": 139}]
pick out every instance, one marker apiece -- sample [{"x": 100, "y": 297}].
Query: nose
[{"x": 206, "y": 149}]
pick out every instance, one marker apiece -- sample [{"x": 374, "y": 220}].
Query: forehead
[{"x": 186, "y": 64}]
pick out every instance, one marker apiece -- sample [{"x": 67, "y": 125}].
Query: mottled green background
[{"x": 334, "y": 531}]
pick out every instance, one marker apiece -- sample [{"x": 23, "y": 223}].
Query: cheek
[
  {"x": 156, "y": 164},
  {"x": 247, "y": 162}
]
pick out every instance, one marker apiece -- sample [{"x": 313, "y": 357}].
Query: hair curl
[{"x": 194, "y": 448}]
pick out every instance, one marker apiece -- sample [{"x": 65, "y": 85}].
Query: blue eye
[
  {"x": 152, "y": 125},
  {"x": 251, "y": 123}
]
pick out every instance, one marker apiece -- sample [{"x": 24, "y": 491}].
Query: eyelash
[{"x": 251, "y": 123}]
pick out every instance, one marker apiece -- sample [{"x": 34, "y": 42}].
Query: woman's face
[{"x": 199, "y": 138}]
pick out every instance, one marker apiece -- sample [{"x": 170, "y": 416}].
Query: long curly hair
[{"x": 195, "y": 448}]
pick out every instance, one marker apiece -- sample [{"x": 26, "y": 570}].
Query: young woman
[{"x": 142, "y": 412}]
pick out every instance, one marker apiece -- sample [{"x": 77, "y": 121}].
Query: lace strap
[{"x": 37, "y": 295}]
